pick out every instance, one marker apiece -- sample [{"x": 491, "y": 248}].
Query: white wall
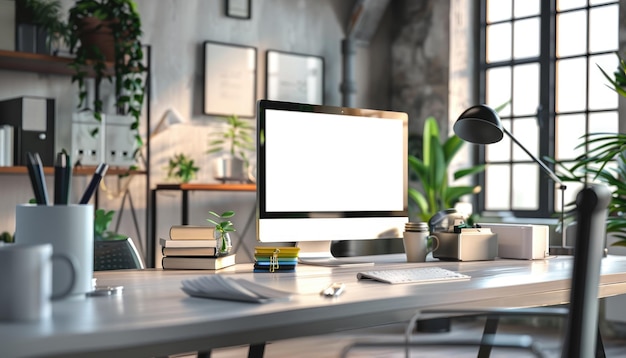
[{"x": 175, "y": 30}]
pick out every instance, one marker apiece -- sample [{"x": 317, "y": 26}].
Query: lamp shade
[{"x": 479, "y": 124}]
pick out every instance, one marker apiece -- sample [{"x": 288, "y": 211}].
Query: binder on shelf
[{"x": 32, "y": 119}]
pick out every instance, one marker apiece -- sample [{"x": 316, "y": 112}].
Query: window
[{"x": 542, "y": 57}]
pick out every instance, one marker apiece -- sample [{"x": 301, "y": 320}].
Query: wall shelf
[
  {"x": 83, "y": 170},
  {"x": 39, "y": 63}
]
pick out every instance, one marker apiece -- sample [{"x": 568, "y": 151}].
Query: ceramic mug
[
  {"x": 69, "y": 228},
  {"x": 418, "y": 243},
  {"x": 26, "y": 281}
]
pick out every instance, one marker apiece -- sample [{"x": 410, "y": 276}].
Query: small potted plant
[
  {"x": 234, "y": 143},
  {"x": 181, "y": 168},
  {"x": 222, "y": 230},
  {"x": 101, "y": 223},
  {"x": 105, "y": 36}
]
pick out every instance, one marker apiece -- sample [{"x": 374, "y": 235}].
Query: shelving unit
[{"x": 56, "y": 65}]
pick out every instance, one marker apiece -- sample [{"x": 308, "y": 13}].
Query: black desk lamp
[{"x": 481, "y": 125}]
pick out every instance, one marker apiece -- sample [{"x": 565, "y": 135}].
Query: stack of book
[
  {"x": 193, "y": 248},
  {"x": 275, "y": 259}
]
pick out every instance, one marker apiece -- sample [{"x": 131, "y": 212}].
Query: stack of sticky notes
[{"x": 275, "y": 259}]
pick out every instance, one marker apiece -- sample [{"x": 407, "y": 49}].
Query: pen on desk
[
  {"x": 62, "y": 179},
  {"x": 93, "y": 184},
  {"x": 37, "y": 179}
]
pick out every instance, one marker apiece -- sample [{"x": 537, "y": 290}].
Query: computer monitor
[{"x": 329, "y": 173}]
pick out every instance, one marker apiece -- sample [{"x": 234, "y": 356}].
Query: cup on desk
[
  {"x": 26, "y": 281},
  {"x": 69, "y": 228},
  {"x": 418, "y": 242}
]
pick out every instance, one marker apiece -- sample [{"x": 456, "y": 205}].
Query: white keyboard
[{"x": 412, "y": 275}]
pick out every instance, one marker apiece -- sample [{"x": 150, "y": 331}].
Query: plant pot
[
  {"x": 224, "y": 243},
  {"x": 97, "y": 34},
  {"x": 230, "y": 169}
]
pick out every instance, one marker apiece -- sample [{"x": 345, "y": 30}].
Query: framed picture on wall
[
  {"x": 241, "y": 9},
  {"x": 229, "y": 79},
  {"x": 293, "y": 77}
]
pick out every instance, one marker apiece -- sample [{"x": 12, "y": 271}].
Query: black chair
[
  {"x": 581, "y": 335},
  {"x": 116, "y": 254}
]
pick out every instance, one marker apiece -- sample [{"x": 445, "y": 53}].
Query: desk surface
[{"x": 154, "y": 317}]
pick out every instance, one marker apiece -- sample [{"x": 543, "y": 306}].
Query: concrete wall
[{"x": 175, "y": 30}]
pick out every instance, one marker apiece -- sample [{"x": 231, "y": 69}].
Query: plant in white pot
[{"x": 234, "y": 143}]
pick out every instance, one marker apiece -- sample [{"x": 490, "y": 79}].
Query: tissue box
[
  {"x": 472, "y": 244},
  {"x": 528, "y": 242}
]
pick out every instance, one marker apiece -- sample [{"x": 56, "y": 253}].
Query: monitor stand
[{"x": 318, "y": 253}]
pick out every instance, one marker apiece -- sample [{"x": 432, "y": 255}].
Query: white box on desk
[{"x": 522, "y": 241}]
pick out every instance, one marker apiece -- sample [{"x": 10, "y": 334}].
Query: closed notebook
[
  {"x": 197, "y": 263},
  {"x": 188, "y": 243},
  {"x": 191, "y": 232}
]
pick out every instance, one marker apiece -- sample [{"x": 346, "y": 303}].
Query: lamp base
[{"x": 561, "y": 251}]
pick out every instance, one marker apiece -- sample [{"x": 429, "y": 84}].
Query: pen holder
[{"x": 69, "y": 228}]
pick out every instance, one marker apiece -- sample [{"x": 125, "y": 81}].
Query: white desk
[{"x": 154, "y": 317}]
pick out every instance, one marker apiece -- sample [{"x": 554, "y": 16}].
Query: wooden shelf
[
  {"x": 35, "y": 62},
  {"x": 83, "y": 170}
]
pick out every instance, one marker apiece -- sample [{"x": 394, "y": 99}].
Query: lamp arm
[{"x": 543, "y": 166}]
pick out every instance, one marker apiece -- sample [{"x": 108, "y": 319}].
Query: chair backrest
[
  {"x": 582, "y": 328},
  {"x": 116, "y": 255}
]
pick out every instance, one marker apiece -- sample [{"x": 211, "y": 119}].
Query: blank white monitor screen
[{"x": 330, "y": 173}]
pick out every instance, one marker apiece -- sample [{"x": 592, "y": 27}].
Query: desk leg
[
  {"x": 185, "y": 208},
  {"x": 256, "y": 350}
]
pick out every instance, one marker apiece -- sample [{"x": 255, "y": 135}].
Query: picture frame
[
  {"x": 229, "y": 79},
  {"x": 294, "y": 77},
  {"x": 240, "y": 9}
]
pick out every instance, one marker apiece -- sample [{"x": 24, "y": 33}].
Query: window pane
[
  {"x": 526, "y": 131},
  {"x": 600, "y": 95},
  {"x": 525, "y": 89},
  {"x": 526, "y": 8},
  {"x": 604, "y": 122},
  {"x": 526, "y": 38},
  {"x": 499, "y": 42},
  {"x": 571, "y": 33},
  {"x": 571, "y": 84},
  {"x": 500, "y": 151},
  {"x": 498, "y": 89},
  {"x": 570, "y": 4},
  {"x": 599, "y": 2},
  {"x": 569, "y": 129},
  {"x": 603, "y": 29},
  {"x": 498, "y": 10},
  {"x": 497, "y": 187},
  {"x": 525, "y": 187}
]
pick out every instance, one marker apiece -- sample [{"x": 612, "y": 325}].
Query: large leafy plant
[
  {"x": 432, "y": 169},
  {"x": 604, "y": 161}
]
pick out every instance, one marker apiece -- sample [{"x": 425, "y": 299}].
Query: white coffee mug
[
  {"x": 26, "y": 281},
  {"x": 69, "y": 228},
  {"x": 417, "y": 246}
]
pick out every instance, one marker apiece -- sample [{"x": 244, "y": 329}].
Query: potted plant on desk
[
  {"x": 234, "y": 142},
  {"x": 223, "y": 228},
  {"x": 181, "y": 168}
]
